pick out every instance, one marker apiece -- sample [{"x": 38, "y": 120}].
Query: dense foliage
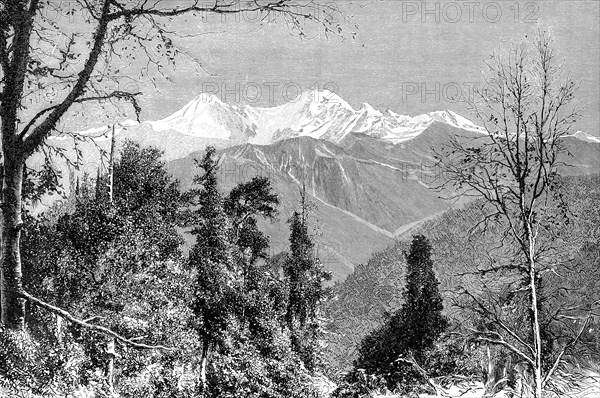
[
  {"x": 238, "y": 323},
  {"x": 218, "y": 317},
  {"x": 305, "y": 276}
]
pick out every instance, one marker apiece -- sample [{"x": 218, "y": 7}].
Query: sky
[{"x": 412, "y": 57}]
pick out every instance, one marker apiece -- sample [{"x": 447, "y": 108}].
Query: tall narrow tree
[
  {"x": 422, "y": 310},
  {"x": 211, "y": 257},
  {"x": 414, "y": 328},
  {"x": 305, "y": 276}
]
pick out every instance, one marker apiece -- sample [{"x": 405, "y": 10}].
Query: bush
[
  {"x": 358, "y": 384},
  {"x": 29, "y": 366}
]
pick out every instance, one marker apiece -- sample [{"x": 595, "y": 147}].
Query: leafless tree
[
  {"x": 76, "y": 50},
  {"x": 527, "y": 108}
]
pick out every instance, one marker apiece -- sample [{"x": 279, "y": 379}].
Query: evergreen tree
[
  {"x": 421, "y": 314},
  {"x": 211, "y": 258},
  {"x": 305, "y": 276},
  {"x": 259, "y": 286},
  {"x": 413, "y": 330},
  {"x": 243, "y": 204},
  {"x": 239, "y": 300}
]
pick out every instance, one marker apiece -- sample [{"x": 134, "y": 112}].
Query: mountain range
[{"x": 369, "y": 173}]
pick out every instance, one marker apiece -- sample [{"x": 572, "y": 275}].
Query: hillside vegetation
[{"x": 375, "y": 288}]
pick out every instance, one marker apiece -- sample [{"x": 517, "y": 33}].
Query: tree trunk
[
  {"x": 537, "y": 339},
  {"x": 203, "y": 362},
  {"x": 59, "y": 330},
  {"x": 13, "y": 306},
  {"x": 535, "y": 321},
  {"x": 110, "y": 371},
  {"x": 111, "y": 165}
]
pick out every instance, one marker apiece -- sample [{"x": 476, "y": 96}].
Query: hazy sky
[{"x": 407, "y": 56}]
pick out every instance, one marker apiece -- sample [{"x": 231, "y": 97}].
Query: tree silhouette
[
  {"x": 412, "y": 331},
  {"x": 305, "y": 276},
  {"x": 421, "y": 314}
]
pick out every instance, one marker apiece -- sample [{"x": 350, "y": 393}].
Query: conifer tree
[
  {"x": 305, "y": 275},
  {"x": 413, "y": 329},
  {"x": 243, "y": 205},
  {"x": 211, "y": 257},
  {"x": 421, "y": 313}
]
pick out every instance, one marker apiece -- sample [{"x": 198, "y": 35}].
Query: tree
[
  {"x": 305, "y": 278},
  {"x": 527, "y": 110},
  {"x": 142, "y": 185},
  {"x": 421, "y": 312},
  {"x": 82, "y": 62},
  {"x": 212, "y": 258},
  {"x": 260, "y": 286},
  {"x": 412, "y": 331},
  {"x": 244, "y": 203},
  {"x": 240, "y": 300}
]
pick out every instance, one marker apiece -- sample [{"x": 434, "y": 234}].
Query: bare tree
[
  {"x": 78, "y": 58},
  {"x": 527, "y": 109}
]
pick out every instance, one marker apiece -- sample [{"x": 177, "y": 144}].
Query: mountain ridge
[
  {"x": 206, "y": 120},
  {"x": 371, "y": 183}
]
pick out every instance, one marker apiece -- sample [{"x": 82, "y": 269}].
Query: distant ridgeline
[{"x": 368, "y": 172}]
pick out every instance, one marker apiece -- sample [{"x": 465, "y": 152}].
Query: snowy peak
[
  {"x": 369, "y": 110},
  {"x": 456, "y": 120},
  {"x": 328, "y": 99},
  {"x": 207, "y": 116},
  {"x": 318, "y": 114}
]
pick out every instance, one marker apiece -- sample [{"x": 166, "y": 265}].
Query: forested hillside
[
  {"x": 119, "y": 310},
  {"x": 375, "y": 288}
]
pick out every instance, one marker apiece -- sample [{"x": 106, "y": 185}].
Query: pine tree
[
  {"x": 421, "y": 314},
  {"x": 257, "y": 283},
  {"x": 413, "y": 330},
  {"x": 305, "y": 276},
  {"x": 211, "y": 257}
]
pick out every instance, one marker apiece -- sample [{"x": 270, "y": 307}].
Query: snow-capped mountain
[
  {"x": 368, "y": 170},
  {"x": 316, "y": 114},
  {"x": 207, "y": 116}
]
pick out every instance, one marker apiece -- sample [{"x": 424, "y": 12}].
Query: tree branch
[
  {"x": 114, "y": 94},
  {"x": 43, "y": 129},
  {"x": 85, "y": 324},
  {"x": 412, "y": 361},
  {"x": 507, "y": 345},
  {"x": 564, "y": 350}
]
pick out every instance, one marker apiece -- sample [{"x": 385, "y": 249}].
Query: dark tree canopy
[
  {"x": 305, "y": 277},
  {"x": 421, "y": 312},
  {"x": 413, "y": 329}
]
